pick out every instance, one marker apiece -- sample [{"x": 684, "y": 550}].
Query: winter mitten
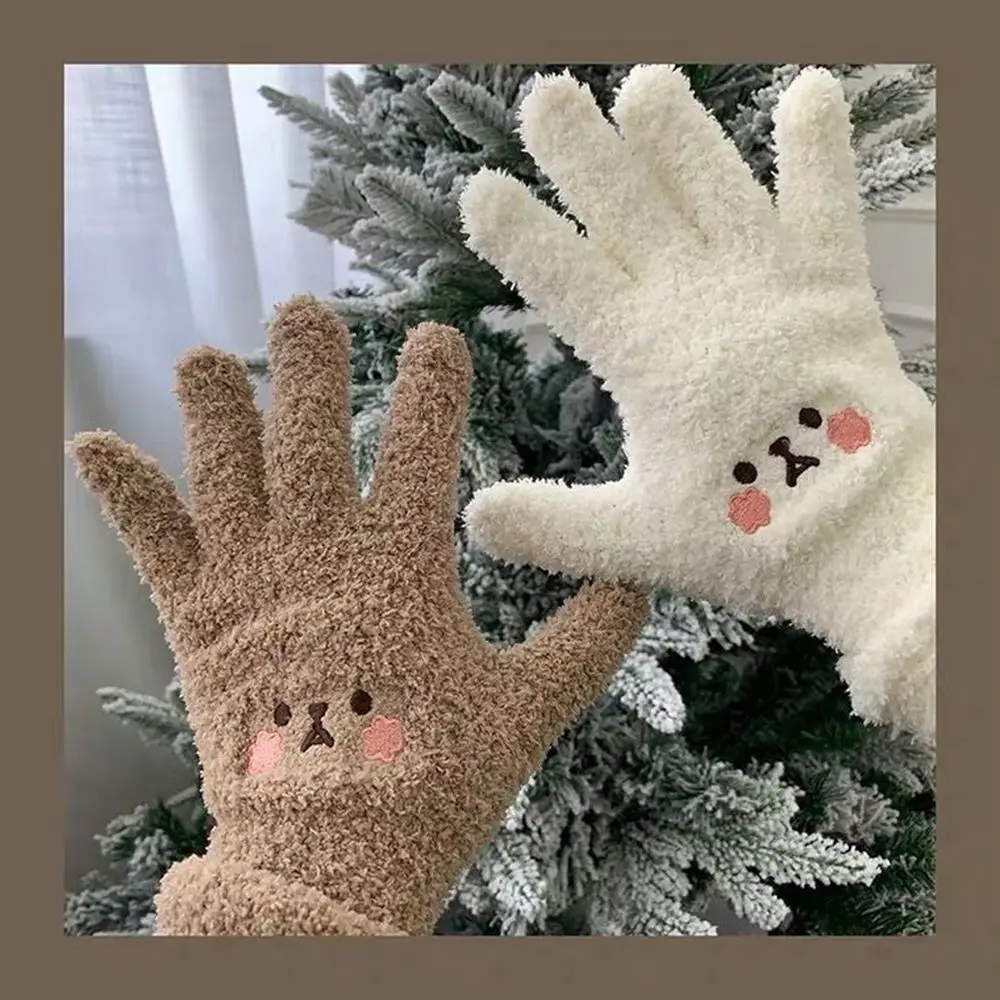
[
  {"x": 779, "y": 460},
  {"x": 359, "y": 739}
]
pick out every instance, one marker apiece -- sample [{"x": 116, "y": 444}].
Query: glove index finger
[
  {"x": 415, "y": 478},
  {"x": 613, "y": 192},
  {"x": 564, "y": 275}
]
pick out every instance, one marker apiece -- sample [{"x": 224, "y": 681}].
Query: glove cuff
[
  {"x": 892, "y": 677},
  {"x": 872, "y": 595},
  {"x": 205, "y": 897}
]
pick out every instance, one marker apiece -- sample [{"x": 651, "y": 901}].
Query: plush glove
[
  {"x": 779, "y": 460},
  {"x": 359, "y": 738}
]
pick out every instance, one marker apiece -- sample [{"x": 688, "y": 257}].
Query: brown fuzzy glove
[{"x": 359, "y": 739}]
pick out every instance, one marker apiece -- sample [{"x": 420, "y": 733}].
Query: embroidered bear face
[
  {"x": 848, "y": 430},
  {"x": 316, "y": 703},
  {"x": 381, "y": 739}
]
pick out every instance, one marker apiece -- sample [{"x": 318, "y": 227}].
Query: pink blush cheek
[
  {"x": 750, "y": 510},
  {"x": 383, "y": 739},
  {"x": 265, "y": 753},
  {"x": 849, "y": 430}
]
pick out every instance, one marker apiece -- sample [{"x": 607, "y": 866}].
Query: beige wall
[{"x": 901, "y": 243}]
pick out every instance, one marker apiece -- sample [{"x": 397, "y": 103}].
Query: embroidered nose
[
  {"x": 318, "y": 732},
  {"x": 795, "y": 465}
]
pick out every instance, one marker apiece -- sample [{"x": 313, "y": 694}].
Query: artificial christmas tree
[{"x": 723, "y": 762}]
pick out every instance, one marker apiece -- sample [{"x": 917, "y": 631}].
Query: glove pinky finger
[
  {"x": 817, "y": 188},
  {"x": 139, "y": 500}
]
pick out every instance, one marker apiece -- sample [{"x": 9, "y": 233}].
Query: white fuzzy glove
[{"x": 779, "y": 460}]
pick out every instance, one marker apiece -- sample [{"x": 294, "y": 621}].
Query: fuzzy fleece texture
[
  {"x": 779, "y": 460},
  {"x": 359, "y": 739}
]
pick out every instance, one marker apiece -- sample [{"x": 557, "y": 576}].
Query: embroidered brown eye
[
  {"x": 282, "y": 713},
  {"x": 744, "y": 472},
  {"x": 361, "y": 702},
  {"x": 809, "y": 417}
]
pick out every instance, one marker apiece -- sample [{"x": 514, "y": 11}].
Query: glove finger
[
  {"x": 225, "y": 458},
  {"x": 700, "y": 170},
  {"x": 310, "y": 472},
  {"x": 140, "y": 501},
  {"x": 817, "y": 190},
  {"x": 415, "y": 478},
  {"x": 581, "y": 531},
  {"x": 567, "y": 277},
  {"x": 571, "y": 659},
  {"x": 612, "y": 191}
]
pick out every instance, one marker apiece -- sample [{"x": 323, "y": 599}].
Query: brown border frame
[{"x": 104, "y": 31}]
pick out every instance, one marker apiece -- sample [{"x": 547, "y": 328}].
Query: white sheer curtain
[{"x": 176, "y": 233}]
